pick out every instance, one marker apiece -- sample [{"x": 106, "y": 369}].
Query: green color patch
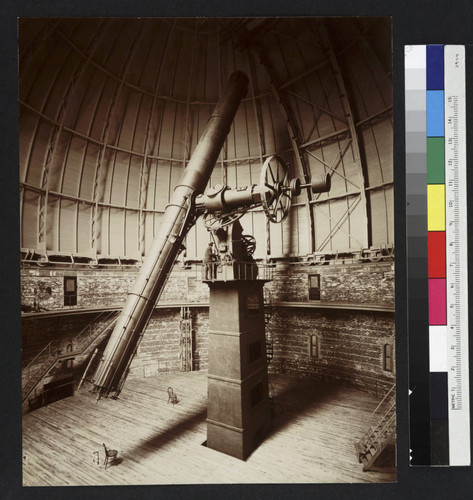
[{"x": 435, "y": 160}]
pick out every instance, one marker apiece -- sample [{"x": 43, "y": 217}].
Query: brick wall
[
  {"x": 370, "y": 283},
  {"x": 351, "y": 345},
  {"x": 43, "y": 289},
  {"x": 159, "y": 350},
  {"x": 351, "y": 342},
  {"x": 94, "y": 288}
]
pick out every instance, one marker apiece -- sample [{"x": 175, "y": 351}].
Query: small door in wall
[{"x": 70, "y": 290}]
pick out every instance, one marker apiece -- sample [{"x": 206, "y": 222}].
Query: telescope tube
[{"x": 178, "y": 218}]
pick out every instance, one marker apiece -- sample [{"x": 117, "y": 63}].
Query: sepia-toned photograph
[{"x": 207, "y": 250}]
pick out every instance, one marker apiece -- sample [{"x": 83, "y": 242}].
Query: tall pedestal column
[{"x": 238, "y": 405}]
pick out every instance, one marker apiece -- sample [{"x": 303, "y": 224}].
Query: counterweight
[{"x": 178, "y": 218}]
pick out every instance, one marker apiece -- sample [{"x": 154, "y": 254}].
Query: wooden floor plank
[{"x": 311, "y": 439}]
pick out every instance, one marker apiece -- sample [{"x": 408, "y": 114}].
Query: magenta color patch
[{"x": 437, "y": 302}]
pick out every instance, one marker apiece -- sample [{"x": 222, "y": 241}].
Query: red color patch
[{"x": 437, "y": 264}]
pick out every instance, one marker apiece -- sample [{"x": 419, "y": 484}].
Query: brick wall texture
[
  {"x": 371, "y": 284},
  {"x": 160, "y": 350},
  {"x": 351, "y": 342},
  {"x": 350, "y": 346},
  {"x": 45, "y": 288}
]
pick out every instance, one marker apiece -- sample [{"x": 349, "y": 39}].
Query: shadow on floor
[
  {"x": 166, "y": 437},
  {"x": 293, "y": 398}
]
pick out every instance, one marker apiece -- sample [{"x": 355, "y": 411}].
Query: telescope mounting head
[{"x": 222, "y": 205}]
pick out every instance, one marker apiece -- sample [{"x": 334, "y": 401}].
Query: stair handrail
[
  {"x": 387, "y": 396},
  {"x": 108, "y": 325},
  {"x": 88, "y": 327},
  {"x": 380, "y": 424},
  {"x": 46, "y": 347},
  {"x": 370, "y": 438},
  {"x": 51, "y": 360},
  {"x": 56, "y": 343}
]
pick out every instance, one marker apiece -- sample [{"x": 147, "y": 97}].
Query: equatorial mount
[{"x": 223, "y": 206}]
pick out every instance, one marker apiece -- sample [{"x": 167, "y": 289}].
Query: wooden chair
[
  {"x": 110, "y": 455},
  {"x": 172, "y": 397}
]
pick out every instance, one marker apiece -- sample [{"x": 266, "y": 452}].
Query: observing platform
[{"x": 236, "y": 271}]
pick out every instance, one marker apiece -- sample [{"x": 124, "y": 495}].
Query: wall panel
[
  {"x": 73, "y": 166},
  {"x": 29, "y": 220},
  {"x": 83, "y": 229},
  {"x": 117, "y": 232},
  {"x": 131, "y": 233}
]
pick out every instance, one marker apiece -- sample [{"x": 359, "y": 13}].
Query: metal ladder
[{"x": 186, "y": 344}]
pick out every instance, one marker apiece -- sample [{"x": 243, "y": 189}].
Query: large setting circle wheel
[{"x": 275, "y": 189}]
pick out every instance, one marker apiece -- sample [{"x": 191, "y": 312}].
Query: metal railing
[
  {"x": 382, "y": 424},
  {"x": 384, "y": 406},
  {"x": 235, "y": 270},
  {"x": 40, "y": 365},
  {"x": 81, "y": 340}
]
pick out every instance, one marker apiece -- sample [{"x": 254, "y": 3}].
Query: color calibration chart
[{"x": 437, "y": 274}]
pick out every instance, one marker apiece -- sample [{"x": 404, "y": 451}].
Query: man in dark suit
[{"x": 209, "y": 258}]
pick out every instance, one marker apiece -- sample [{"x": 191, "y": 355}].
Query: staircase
[
  {"x": 46, "y": 359},
  {"x": 382, "y": 429}
]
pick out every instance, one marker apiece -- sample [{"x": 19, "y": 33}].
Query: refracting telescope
[{"x": 220, "y": 206}]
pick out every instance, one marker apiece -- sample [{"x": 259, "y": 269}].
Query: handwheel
[
  {"x": 249, "y": 244},
  {"x": 275, "y": 189},
  {"x": 214, "y": 221}
]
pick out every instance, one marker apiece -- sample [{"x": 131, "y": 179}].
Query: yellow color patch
[{"x": 436, "y": 207}]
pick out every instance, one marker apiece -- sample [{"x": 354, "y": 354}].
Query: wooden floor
[{"x": 312, "y": 437}]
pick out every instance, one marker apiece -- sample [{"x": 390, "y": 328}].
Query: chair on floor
[
  {"x": 172, "y": 397},
  {"x": 110, "y": 455}
]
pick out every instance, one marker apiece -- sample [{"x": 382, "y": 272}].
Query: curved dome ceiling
[{"x": 111, "y": 110}]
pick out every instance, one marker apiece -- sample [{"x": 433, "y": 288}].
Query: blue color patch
[
  {"x": 435, "y": 114},
  {"x": 435, "y": 67}
]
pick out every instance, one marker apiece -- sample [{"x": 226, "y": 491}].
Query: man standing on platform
[{"x": 209, "y": 262}]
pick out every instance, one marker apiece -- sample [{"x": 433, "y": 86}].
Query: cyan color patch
[{"x": 435, "y": 114}]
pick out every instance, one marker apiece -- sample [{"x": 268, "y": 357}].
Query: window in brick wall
[
  {"x": 70, "y": 290},
  {"x": 314, "y": 286},
  {"x": 314, "y": 346},
  {"x": 388, "y": 357}
]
